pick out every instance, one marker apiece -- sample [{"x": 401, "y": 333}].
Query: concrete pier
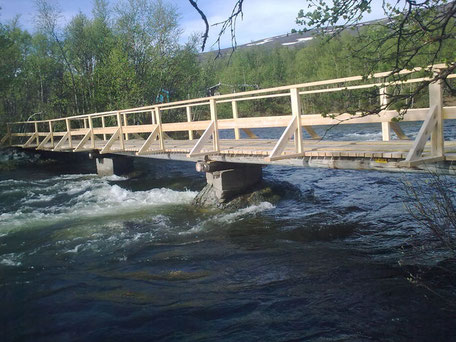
[
  {"x": 114, "y": 165},
  {"x": 226, "y": 180},
  {"x": 229, "y": 183}
]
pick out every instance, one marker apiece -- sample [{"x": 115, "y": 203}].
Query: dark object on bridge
[
  {"x": 163, "y": 95},
  {"x": 212, "y": 166},
  {"x": 215, "y": 89}
]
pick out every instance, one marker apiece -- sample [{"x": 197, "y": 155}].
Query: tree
[
  {"x": 413, "y": 34},
  {"x": 228, "y": 24},
  {"x": 48, "y": 16}
]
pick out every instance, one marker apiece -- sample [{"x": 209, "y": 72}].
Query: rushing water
[{"x": 84, "y": 258}]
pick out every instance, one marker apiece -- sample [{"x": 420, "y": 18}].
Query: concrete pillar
[
  {"x": 116, "y": 165},
  {"x": 231, "y": 182}
]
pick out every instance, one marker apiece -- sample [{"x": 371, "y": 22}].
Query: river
[{"x": 84, "y": 258}]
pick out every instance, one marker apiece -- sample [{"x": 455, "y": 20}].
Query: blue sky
[{"x": 262, "y": 18}]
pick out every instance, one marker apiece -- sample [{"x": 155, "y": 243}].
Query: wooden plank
[
  {"x": 84, "y": 140},
  {"x": 449, "y": 113},
  {"x": 64, "y": 138},
  {"x": 215, "y": 133},
  {"x": 420, "y": 161},
  {"x": 436, "y": 99},
  {"x": 37, "y": 135},
  {"x": 103, "y": 125},
  {"x": 125, "y": 123},
  {"x": 22, "y": 134},
  {"x": 285, "y": 156},
  {"x": 311, "y": 132},
  {"x": 120, "y": 131},
  {"x": 296, "y": 108},
  {"x": 283, "y": 141},
  {"x": 306, "y": 120},
  {"x": 5, "y": 138},
  {"x": 116, "y": 136},
  {"x": 92, "y": 135},
  {"x": 109, "y": 130},
  {"x": 68, "y": 126},
  {"x": 234, "y": 107},
  {"x": 51, "y": 132},
  {"x": 249, "y": 133},
  {"x": 28, "y": 143},
  {"x": 423, "y": 135},
  {"x": 196, "y": 150},
  {"x": 160, "y": 128},
  {"x": 44, "y": 142},
  {"x": 398, "y": 130},
  {"x": 144, "y": 148},
  {"x": 188, "y": 110}
]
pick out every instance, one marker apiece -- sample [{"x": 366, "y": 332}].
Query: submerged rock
[{"x": 207, "y": 197}]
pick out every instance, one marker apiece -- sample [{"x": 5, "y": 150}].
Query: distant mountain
[{"x": 297, "y": 39}]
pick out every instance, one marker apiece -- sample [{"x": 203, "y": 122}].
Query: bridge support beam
[
  {"x": 227, "y": 180},
  {"x": 115, "y": 165}
]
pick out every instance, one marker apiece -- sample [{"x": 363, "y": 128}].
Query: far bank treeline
[{"x": 131, "y": 57}]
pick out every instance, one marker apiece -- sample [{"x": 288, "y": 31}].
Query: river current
[{"x": 84, "y": 258}]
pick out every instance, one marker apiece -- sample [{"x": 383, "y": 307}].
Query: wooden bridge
[{"x": 193, "y": 129}]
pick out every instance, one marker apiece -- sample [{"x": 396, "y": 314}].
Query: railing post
[
  {"x": 8, "y": 132},
  {"x": 125, "y": 124},
  {"x": 189, "y": 119},
  {"x": 37, "y": 136},
  {"x": 237, "y": 135},
  {"x": 85, "y": 123},
  {"x": 103, "y": 125},
  {"x": 436, "y": 99},
  {"x": 152, "y": 114},
  {"x": 386, "y": 126},
  {"x": 51, "y": 132},
  {"x": 160, "y": 131},
  {"x": 296, "y": 112},
  {"x": 68, "y": 125},
  {"x": 215, "y": 135},
  {"x": 121, "y": 137},
  {"x": 92, "y": 136}
]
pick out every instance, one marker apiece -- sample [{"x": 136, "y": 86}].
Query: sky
[{"x": 262, "y": 18}]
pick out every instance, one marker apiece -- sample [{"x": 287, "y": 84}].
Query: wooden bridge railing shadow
[{"x": 115, "y": 131}]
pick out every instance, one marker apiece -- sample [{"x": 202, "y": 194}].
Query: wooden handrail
[
  {"x": 252, "y": 95},
  {"x": 294, "y": 121}
]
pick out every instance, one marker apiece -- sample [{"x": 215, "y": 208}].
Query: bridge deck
[{"x": 395, "y": 149}]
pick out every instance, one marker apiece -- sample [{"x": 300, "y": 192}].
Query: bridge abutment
[{"x": 113, "y": 165}]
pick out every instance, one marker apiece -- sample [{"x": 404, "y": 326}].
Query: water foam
[
  {"x": 72, "y": 197},
  {"x": 249, "y": 211},
  {"x": 229, "y": 218},
  {"x": 10, "y": 260},
  {"x": 364, "y": 136}
]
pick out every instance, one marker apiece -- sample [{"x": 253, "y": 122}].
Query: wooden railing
[{"x": 115, "y": 126}]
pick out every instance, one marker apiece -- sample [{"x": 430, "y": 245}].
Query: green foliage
[
  {"x": 95, "y": 63},
  {"x": 350, "y": 53}
]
